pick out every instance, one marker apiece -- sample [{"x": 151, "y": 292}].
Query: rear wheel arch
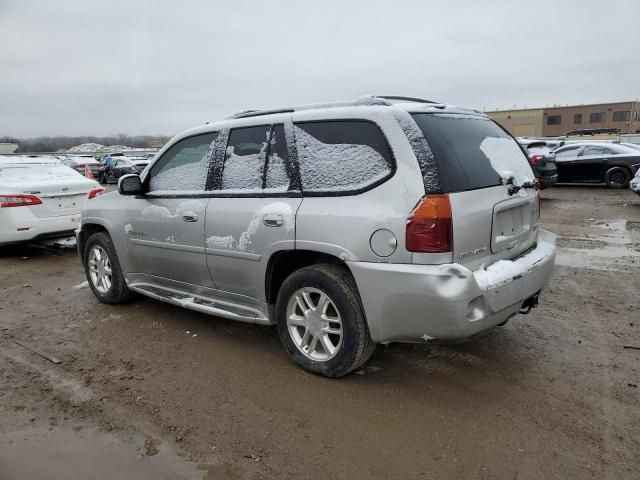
[
  {"x": 283, "y": 263},
  {"x": 617, "y": 170}
]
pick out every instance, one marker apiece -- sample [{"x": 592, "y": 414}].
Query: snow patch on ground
[
  {"x": 68, "y": 242},
  {"x": 84, "y": 284}
]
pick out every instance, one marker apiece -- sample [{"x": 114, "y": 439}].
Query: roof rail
[
  {"x": 365, "y": 100},
  {"x": 405, "y": 99}
]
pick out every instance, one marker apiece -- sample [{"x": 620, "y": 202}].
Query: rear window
[{"x": 472, "y": 152}]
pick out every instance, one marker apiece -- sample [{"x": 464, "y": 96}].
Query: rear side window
[
  {"x": 276, "y": 177},
  {"x": 568, "y": 152},
  {"x": 472, "y": 152},
  {"x": 341, "y": 156},
  {"x": 256, "y": 161},
  {"x": 245, "y": 158},
  {"x": 593, "y": 151},
  {"x": 184, "y": 166}
]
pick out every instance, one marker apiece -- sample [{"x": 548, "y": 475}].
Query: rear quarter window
[
  {"x": 472, "y": 152},
  {"x": 342, "y": 155}
]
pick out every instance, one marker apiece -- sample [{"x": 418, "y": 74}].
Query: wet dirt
[{"x": 553, "y": 394}]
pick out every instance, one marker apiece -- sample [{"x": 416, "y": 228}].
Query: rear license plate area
[{"x": 511, "y": 224}]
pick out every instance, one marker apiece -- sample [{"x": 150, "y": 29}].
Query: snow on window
[
  {"x": 337, "y": 166},
  {"x": 185, "y": 165},
  {"x": 245, "y": 158},
  {"x": 277, "y": 178},
  {"x": 243, "y": 172},
  {"x": 506, "y": 159}
]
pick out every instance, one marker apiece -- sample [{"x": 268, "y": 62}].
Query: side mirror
[{"x": 130, "y": 185}]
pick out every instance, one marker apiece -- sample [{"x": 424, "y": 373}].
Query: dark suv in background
[{"x": 542, "y": 161}]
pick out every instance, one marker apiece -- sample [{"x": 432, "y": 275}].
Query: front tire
[
  {"x": 103, "y": 270},
  {"x": 321, "y": 321},
  {"x": 617, "y": 177}
]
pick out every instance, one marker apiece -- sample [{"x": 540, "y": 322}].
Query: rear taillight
[
  {"x": 429, "y": 226},
  {"x": 7, "y": 201},
  {"x": 95, "y": 192},
  {"x": 533, "y": 159}
]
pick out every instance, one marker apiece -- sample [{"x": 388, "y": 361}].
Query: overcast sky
[{"x": 77, "y": 67}]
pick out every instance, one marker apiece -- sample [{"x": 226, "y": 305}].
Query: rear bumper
[
  {"x": 32, "y": 227},
  {"x": 634, "y": 185},
  {"x": 406, "y": 302},
  {"x": 548, "y": 181}
]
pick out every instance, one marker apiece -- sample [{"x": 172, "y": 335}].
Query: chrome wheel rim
[
  {"x": 100, "y": 269},
  {"x": 314, "y": 324}
]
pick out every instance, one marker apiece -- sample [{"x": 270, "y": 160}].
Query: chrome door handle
[
  {"x": 190, "y": 217},
  {"x": 273, "y": 220}
]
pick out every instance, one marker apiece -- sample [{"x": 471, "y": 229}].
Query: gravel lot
[{"x": 148, "y": 390}]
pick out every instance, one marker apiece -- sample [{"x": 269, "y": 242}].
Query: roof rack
[
  {"x": 365, "y": 100},
  {"x": 405, "y": 99}
]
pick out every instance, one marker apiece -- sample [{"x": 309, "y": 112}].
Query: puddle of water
[
  {"x": 614, "y": 247},
  {"x": 61, "y": 454},
  {"x": 610, "y": 258}
]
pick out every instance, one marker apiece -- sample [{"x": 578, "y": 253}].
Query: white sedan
[
  {"x": 40, "y": 199},
  {"x": 634, "y": 184}
]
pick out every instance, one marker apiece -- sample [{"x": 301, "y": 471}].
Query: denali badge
[{"x": 477, "y": 251}]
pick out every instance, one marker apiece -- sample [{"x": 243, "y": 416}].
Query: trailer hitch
[{"x": 529, "y": 303}]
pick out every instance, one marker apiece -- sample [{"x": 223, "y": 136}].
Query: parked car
[
  {"x": 542, "y": 161},
  {"x": 597, "y": 163},
  {"x": 79, "y": 163},
  {"x": 40, "y": 199},
  {"x": 383, "y": 220},
  {"x": 634, "y": 184},
  {"x": 635, "y": 146},
  {"x": 121, "y": 166}
]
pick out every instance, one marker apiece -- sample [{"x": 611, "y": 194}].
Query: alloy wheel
[
  {"x": 314, "y": 324},
  {"x": 100, "y": 269}
]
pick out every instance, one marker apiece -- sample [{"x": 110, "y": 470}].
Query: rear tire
[
  {"x": 103, "y": 271},
  {"x": 617, "y": 177},
  {"x": 334, "y": 319}
]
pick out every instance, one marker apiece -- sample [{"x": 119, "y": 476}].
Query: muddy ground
[{"x": 148, "y": 390}]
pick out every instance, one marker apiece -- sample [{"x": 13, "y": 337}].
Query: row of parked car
[
  {"x": 53, "y": 189},
  {"x": 109, "y": 167},
  {"x": 616, "y": 165}
]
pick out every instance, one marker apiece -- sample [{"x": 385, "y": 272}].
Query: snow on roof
[{"x": 22, "y": 160}]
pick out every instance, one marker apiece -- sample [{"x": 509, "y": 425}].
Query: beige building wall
[
  {"x": 520, "y": 123},
  {"x": 557, "y": 121},
  {"x": 620, "y": 115}
]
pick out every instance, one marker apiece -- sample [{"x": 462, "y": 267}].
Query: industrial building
[{"x": 556, "y": 121}]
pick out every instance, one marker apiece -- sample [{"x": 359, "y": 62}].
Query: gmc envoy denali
[{"x": 384, "y": 219}]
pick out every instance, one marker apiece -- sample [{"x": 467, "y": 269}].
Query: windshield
[{"x": 472, "y": 152}]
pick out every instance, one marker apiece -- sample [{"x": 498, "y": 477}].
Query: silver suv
[{"x": 385, "y": 219}]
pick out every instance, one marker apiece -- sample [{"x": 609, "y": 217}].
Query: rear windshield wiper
[{"x": 515, "y": 188}]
